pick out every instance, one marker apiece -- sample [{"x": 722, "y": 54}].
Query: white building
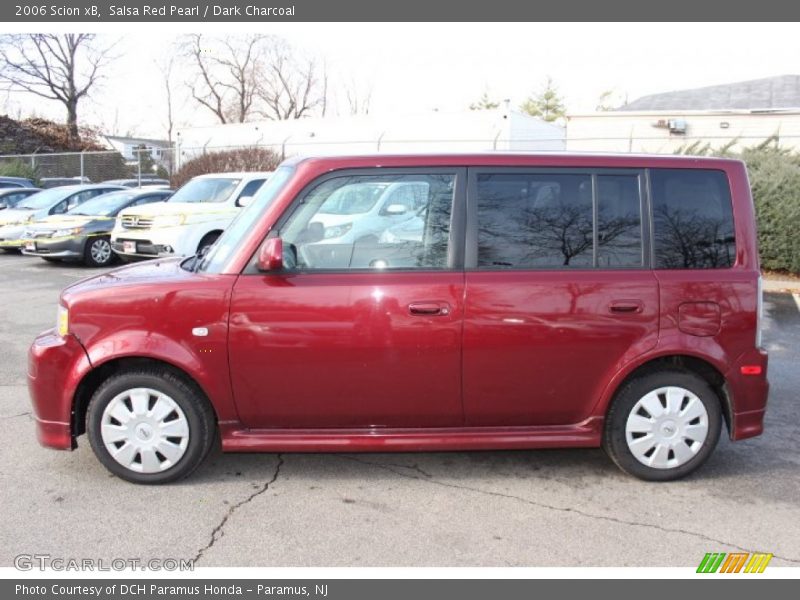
[
  {"x": 128, "y": 147},
  {"x": 742, "y": 114},
  {"x": 465, "y": 131}
]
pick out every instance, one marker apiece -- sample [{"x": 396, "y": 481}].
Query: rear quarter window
[{"x": 692, "y": 219}]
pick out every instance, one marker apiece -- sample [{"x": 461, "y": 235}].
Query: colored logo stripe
[
  {"x": 734, "y": 562},
  {"x": 757, "y": 563}
]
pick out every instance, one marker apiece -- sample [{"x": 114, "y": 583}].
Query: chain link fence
[
  {"x": 91, "y": 166},
  {"x": 163, "y": 163}
]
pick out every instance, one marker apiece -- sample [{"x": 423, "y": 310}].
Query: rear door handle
[
  {"x": 626, "y": 306},
  {"x": 429, "y": 309}
]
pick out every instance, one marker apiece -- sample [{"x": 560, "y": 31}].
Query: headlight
[
  {"x": 168, "y": 220},
  {"x": 337, "y": 230},
  {"x": 58, "y": 233},
  {"x": 62, "y": 321}
]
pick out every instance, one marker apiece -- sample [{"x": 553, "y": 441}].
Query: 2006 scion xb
[{"x": 527, "y": 301}]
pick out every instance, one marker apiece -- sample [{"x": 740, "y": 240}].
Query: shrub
[
  {"x": 775, "y": 180},
  {"x": 226, "y": 161},
  {"x": 19, "y": 168}
]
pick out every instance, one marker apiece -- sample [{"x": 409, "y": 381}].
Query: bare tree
[
  {"x": 166, "y": 71},
  {"x": 290, "y": 87},
  {"x": 226, "y": 73},
  {"x": 358, "y": 98},
  {"x": 62, "y": 67}
]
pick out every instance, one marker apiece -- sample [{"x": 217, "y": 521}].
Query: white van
[{"x": 190, "y": 221}]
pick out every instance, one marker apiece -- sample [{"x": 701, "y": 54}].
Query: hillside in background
[{"x": 42, "y": 136}]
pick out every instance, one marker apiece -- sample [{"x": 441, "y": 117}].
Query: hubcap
[
  {"x": 667, "y": 427},
  {"x": 101, "y": 251},
  {"x": 144, "y": 430}
]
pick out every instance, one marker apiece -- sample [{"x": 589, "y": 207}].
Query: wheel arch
[
  {"x": 213, "y": 233},
  {"x": 95, "y": 378},
  {"x": 693, "y": 364}
]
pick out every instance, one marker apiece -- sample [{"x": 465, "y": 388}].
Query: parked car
[
  {"x": 363, "y": 210},
  {"x": 83, "y": 233},
  {"x": 190, "y": 222},
  {"x": 144, "y": 182},
  {"x": 15, "y": 182},
  {"x": 547, "y": 301},
  {"x": 51, "y": 182},
  {"x": 42, "y": 204},
  {"x": 10, "y": 197}
]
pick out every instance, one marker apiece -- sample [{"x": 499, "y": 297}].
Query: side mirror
[
  {"x": 270, "y": 255},
  {"x": 244, "y": 201},
  {"x": 396, "y": 209}
]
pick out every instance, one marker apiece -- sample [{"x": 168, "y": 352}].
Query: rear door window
[
  {"x": 534, "y": 220},
  {"x": 559, "y": 220},
  {"x": 692, "y": 219}
]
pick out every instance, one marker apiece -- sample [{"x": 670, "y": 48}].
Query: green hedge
[
  {"x": 18, "y": 168},
  {"x": 775, "y": 179}
]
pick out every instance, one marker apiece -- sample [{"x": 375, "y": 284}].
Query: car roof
[
  {"x": 88, "y": 186},
  {"x": 505, "y": 159},
  {"x": 239, "y": 174},
  {"x": 25, "y": 190}
]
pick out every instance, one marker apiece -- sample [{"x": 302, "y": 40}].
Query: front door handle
[
  {"x": 626, "y": 306},
  {"x": 429, "y": 309}
]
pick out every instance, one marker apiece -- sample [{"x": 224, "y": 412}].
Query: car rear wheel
[
  {"x": 97, "y": 252},
  {"x": 149, "y": 426},
  {"x": 663, "y": 425}
]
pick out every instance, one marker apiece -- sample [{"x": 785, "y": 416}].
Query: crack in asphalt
[
  {"x": 566, "y": 509},
  {"x": 218, "y": 531},
  {"x": 25, "y": 414}
]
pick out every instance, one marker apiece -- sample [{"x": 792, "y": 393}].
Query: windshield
[
  {"x": 353, "y": 199},
  {"x": 243, "y": 223},
  {"x": 45, "y": 199},
  {"x": 103, "y": 206},
  {"x": 206, "y": 189}
]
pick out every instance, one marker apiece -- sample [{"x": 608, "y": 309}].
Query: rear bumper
[
  {"x": 749, "y": 392},
  {"x": 52, "y": 434},
  {"x": 55, "y": 364}
]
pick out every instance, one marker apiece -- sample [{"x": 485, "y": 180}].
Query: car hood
[
  {"x": 54, "y": 222},
  {"x": 177, "y": 208},
  {"x": 15, "y": 215},
  {"x": 149, "y": 272}
]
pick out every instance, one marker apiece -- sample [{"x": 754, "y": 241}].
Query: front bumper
[
  {"x": 11, "y": 236},
  {"x": 162, "y": 242},
  {"x": 55, "y": 365},
  {"x": 58, "y": 248},
  {"x": 145, "y": 249}
]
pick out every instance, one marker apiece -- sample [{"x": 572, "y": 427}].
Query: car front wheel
[
  {"x": 98, "y": 252},
  {"x": 663, "y": 425},
  {"x": 149, "y": 426}
]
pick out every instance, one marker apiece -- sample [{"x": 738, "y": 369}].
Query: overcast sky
[{"x": 419, "y": 66}]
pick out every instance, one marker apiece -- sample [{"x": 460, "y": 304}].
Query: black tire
[
  {"x": 615, "y": 438},
  {"x": 196, "y": 408},
  {"x": 206, "y": 243},
  {"x": 95, "y": 251}
]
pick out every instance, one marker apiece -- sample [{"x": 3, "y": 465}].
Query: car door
[
  {"x": 359, "y": 334},
  {"x": 559, "y": 293}
]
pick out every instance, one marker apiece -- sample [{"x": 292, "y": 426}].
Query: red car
[{"x": 511, "y": 301}]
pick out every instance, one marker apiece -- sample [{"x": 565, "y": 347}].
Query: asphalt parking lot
[{"x": 521, "y": 508}]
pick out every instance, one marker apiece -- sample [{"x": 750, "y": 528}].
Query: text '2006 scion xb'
[{"x": 489, "y": 301}]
